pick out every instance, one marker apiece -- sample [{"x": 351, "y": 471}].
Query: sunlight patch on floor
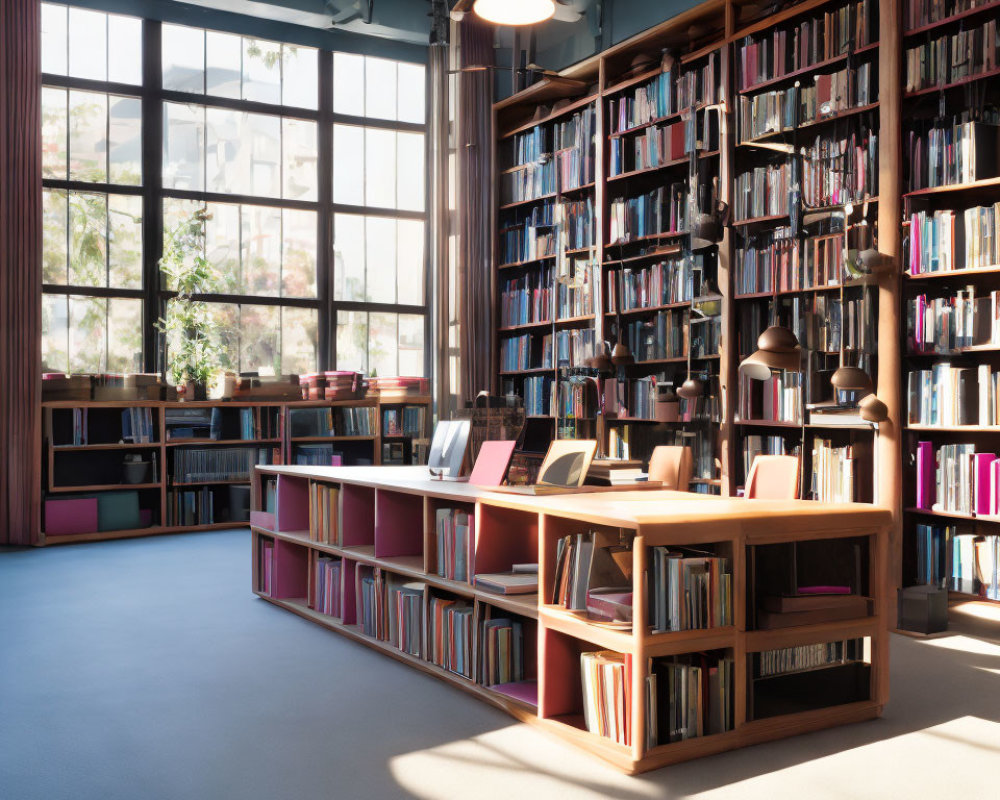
[{"x": 965, "y": 644}]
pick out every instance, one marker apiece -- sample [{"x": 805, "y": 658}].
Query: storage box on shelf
[
  {"x": 135, "y": 468},
  {"x": 639, "y": 684}
]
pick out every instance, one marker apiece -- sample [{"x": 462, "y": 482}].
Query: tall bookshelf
[
  {"x": 950, "y": 223},
  {"x": 839, "y": 84},
  {"x": 194, "y": 460}
]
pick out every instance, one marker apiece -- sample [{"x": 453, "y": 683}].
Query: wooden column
[
  {"x": 20, "y": 270},
  {"x": 889, "y": 466}
]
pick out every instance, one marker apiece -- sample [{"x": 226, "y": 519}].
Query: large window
[{"x": 308, "y": 165}]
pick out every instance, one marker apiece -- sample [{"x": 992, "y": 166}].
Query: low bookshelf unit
[
  {"x": 114, "y": 469},
  {"x": 394, "y": 560}
]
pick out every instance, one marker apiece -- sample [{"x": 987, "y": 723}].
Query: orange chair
[
  {"x": 773, "y": 478},
  {"x": 671, "y": 466}
]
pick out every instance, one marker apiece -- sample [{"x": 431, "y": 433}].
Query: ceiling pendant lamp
[
  {"x": 872, "y": 409},
  {"x": 621, "y": 356},
  {"x": 777, "y": 349},
  {"x": 514, "y": 12}
]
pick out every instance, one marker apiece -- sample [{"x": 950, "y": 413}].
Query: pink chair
[
  {"x": 671, "y": 466},
  {"x": 773, "y": 478}
]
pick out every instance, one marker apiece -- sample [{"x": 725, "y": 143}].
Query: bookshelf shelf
[
  {"x": 796, "y": 74},
  {"x": 218, "y": 442},
  {"x": 548, "y": 689},
  {"x": 954, "y": 188},
  {"x": 945, "y": 87},
  {"x": 71, "y": 448},
  {"x": 574, "y": 106},
  {"x": 528, "y": 263},
  {"x": 534, "y": 200},
  {"x": 983, "y": 8},
  {"x": 785, "y": 132},
  {"x": 677, "y": 162},
  {"x": 927, "y": 512},
  {"x": 103, "y": 487},
  {"x": 222, "y": 482},
  {"x": 648, "y": 309},
  {"x": 954, "y": 273}
]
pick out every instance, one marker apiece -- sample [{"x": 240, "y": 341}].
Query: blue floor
[{"x": 147, "y": 669}]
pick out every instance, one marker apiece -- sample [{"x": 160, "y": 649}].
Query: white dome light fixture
[{"x": 515, "y": 12}]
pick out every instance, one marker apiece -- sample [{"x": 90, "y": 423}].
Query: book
[
  {"x": 606, "y": 682},
  {"x": 508, "y": 582},
  {"x": 492, "y": 462}
]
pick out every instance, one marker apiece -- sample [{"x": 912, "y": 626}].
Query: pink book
[
  {"x": 995, "y": 487},
  {"x": 525, "y": 691},
  {"x": 982, "y": 463},
  {"x": 70, "y": 515},
  {"x": 491, "y": 464},
  {"x": 925, "y": 475}
]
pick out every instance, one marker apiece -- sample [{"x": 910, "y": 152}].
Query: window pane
[
  {"x": 300, "y": 76},
  {"x": 55, "y": 333},
  {"x": 87, "y": 334},
  {"x": 54, "y": 53},
  {"x": 125, "y": 140},
  {"x": 124, "y": 49},
  {"x": 176, "y": 214},
  {"x": 298, "y": 254},
  {"x": 54, "y": 133},
  {"x": 412, "y": 88},
  {"x": 183, "y": 59},
  {"x": 261, "y": 153},
  {"x": 410, "y": 175},
  {"x": 380, "y": 168},
  {"x": 380, "y": 259},
  {"x": 299, "y": 153},
  {"x": 53, "y": 236},
  {"x": 348, "y": 164},
  {"x": 380, "y": 88},
  {"x": 261, "y": 71},
  {"x": 261, "y": 231},
  {"x": 225, "y": 167},
  {"x": 299, "y": 337},
  {"x": 259, "y": 339},
  {"x": 382, "y": 345},
  {"x": 410, "y": 261},
  {"x": 223, "y": 56},
  {"x": 124, "y": 335},
  {"x": 88, "y": 44},
  {"x": 183, "y": 147},
  {"x": 352, "y": 340},
  {"x": 349, "y": 84},
  {"x": 88, "y": 221},
  {"x": 349, "y": 257},
  {"x": 88, "y": 155},
  {"x": 411, "y": 344},
  {"x": 125, "y": 244},
  {"x": 222, "y": 245},
  {"x": 226, "y": 318}
]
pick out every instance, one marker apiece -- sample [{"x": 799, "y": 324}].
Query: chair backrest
[
  {"x": 773, "y": 478},
  {"x": 671, "y": 466}
]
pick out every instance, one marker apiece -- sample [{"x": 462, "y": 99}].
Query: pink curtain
[{"x": 20, "y": 270}]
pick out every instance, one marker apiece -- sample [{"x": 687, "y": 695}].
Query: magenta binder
[
  {"x": 925, "y": 475},
  {"x": 981, "y": 465},
  {"x": 491, "y": 463},
  {"x": 70, "y": 515}
]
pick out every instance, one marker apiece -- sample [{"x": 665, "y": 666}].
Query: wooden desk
[{"x": 387, "y": 520}]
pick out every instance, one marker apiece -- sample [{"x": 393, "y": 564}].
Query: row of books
[
  {"x": 706, "y": 336},
  {"x": 840, "y": 170},
  {"x": 919, "y": 13},
  {"x": 574, "y": 149},
  {"x": 501, "y": 649},
  {"x": 662, "y": 335},
  {"x": 260, "y": 423},
  {"x": 947, "y": 396},
  {"x": 762, "y": 192},
  {"x": 455, "y": 536},
  {"x": 945, "y": 154},
  {"x": 662, "y": 283},
  {"x": 664, "y": 210},
  {"x": 578, "y": 300},
  {"x": 593, "y": 574},
  {"x": 690, "y": 589},
  {"x": 529, "y": 238},
  {"x": 952, "y": 57},
  {"x": 191, "y": 506},
  {"x": 778, "y": 261},
  {"x": 606, "y": 681},
  {"x": 637, "y": 441},
  {"x": 575, "y": 224},
  {"x": 777, "y": 399},
  {"x": 688, "y": 696},
  {"x": 637, "y": 399},
  {"x": 575, "y": 347},
  {"x": 946, "y": 240},
  {"x": 948, "y": 323},
  {"x": 323, "y": 454},
  {"x": 785, "y": 660},
  {"x": 955, "y": 557},
  {"x": 537, "y": 395},
  {"x": 526, "y": 299},
  {"x": 405, "y": 421},
  {"x": 833, "y": 472},
  {"x": 324, "y": 513},
  {"x": 327, "y": 580},
  {"x": 956, "y": 478},
  {"x": 137, "y": 426},
  {"x": 782, "y": 51},
  {"x": 356, "y": 421},
  {"x": 783, "y": 110},
  {"x": 823, "y": 323},
  {"x": 450, "y": 633},
  {"x": 526, "y": 352},
  {"x": 217, "y": 463},
  {"x": 655, "y": 146},
  {"x": 572, "y": 400}
]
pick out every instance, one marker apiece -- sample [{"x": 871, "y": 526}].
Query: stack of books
[
  {"x": 832, "y": 472},
  {"x": 688, "y": 696},
  {"x": 593, "y": 574},
  {"x": 607, "y": 694},
  {"x": 450, "y": 633},
  {"x": 946, "y": 240},
  {"x": 526, "y": 299},
  {"x": 690, "y": 589},
  {"x": 501, "y": 651},
  {"x": 976, "y": 565},
  {"x": 962, "y": 152},
  {"x": 658, "y": 284},
  {"x": 216, "y": 463},
  {"x": 663, "y": 210},
  {"x": 946, "y": 396},
  {"x": 661, "y": 335},
  {"x": 405, "y": 616},
  {"x": 456, "y": 543},
  {"x": 950, "y": 58},
  {"x": 324, "y": 513},
  {"x": 523, "y": 352},
  {"x": 574, "y": 348},
  {"x": 787, "y": 660},
  {"x": 326, "y": 586}
]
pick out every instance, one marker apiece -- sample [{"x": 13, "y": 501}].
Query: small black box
[{"x": 923, "y": 609}]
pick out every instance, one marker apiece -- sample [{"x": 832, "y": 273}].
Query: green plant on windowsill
[{"x": 192, "y": 333}]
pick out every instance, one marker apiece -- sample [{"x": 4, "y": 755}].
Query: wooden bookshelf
[
  {"x": 95, "y": 465},
  {"x": 376, "y": 512}
]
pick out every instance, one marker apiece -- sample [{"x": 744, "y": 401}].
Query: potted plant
[{"x": 196, "y": 354}]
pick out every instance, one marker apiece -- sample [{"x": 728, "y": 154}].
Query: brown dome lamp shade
[
  {"x": 691, "y": 388},
  {"x": 602, "y": 361},
  {"x": 851, "y": 379},
  {"x": 872, "y": 409},
  {"x": 621, "y": 356},
  {"x": 777, "y": 348}
]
